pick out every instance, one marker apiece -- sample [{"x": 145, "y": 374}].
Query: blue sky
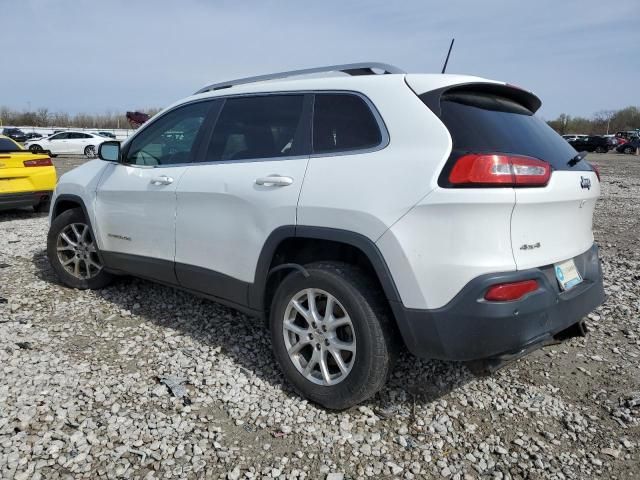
[{"x": 116, "y": 55}]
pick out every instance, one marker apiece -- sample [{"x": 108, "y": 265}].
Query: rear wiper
[{"x": 580, "y": 156}]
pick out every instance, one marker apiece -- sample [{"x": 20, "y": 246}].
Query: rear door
[
  {"x": 549, "y": 223},
  {"x": 247, "y": 185}
]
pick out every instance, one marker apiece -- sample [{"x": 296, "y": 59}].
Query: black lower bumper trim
[
  {"x": 471, "y": 328},
  {"x": 27, "y": 199}
]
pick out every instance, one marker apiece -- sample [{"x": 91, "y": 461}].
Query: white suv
[{"x": 358, "y": 213}]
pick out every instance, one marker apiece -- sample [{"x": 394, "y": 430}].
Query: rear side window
[
  {"x": 7, "y": 145},
  {"x": 258, "y": 127},
  {"x": 488, "y": 123},
  {"x": 343, "y": 122}
]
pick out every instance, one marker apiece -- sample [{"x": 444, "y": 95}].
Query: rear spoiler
[{"x": 523, "y": 97}]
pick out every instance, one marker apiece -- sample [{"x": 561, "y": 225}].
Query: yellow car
[{"x": 26, "y": 179}]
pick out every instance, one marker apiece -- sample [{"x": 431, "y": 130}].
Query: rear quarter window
[{"x": 343, "y": 122}]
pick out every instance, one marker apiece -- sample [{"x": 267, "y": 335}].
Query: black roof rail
[{"x": 365, "y": 68}]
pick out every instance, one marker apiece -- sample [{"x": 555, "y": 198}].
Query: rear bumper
[
  {"x": 24, "y": 199},
  {"x": 471, "y": 328}
]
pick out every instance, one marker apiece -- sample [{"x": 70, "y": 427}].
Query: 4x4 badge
[{"x": 585, "y": 183}]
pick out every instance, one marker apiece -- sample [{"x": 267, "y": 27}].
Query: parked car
[
  {"x": 15, "y": 134},
  {"x": 630, "y": 147},
  {"x": 358, "y": 214},
  {"x": 570, "y": 137},
  {"x": 591, "y": 143},
  {"x": 68, "y": 142},
  {"x": 26, "y": 179},
  {"x": 32, "y": 136},
  {"x": 107, "y": 134}
]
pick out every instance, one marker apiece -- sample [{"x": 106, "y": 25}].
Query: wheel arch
[
  {"x": 66, "y": 202},
  {"x": 301, "y": 244}
]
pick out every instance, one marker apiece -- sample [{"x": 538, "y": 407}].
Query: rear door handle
[
  {"x": 162, "y": 180},
  {"x": 274, "y": 180}
]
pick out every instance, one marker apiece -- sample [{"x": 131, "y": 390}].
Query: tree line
[
  {"x": 42, "y": 117},
  {"x": 601, "y": 123}
]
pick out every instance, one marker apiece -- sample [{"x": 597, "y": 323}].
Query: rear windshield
[
  {"x": 7, "y": 145},
  {"x": 480, "y": 122}
]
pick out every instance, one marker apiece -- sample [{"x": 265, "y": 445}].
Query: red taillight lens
[
  {"x": 500, "y": 170},
  {"x": 39, "y": 162},
  {"x": 596, "y": 169},
  {"x": 505, "y": 292}
]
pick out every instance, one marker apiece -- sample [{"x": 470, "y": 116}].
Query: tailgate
[{"x": 554, "y": 223}]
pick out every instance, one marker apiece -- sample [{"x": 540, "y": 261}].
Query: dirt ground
[{"x": 80, "y": 391}]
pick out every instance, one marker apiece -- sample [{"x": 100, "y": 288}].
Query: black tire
[
  {"x": 601, "y": 150},
  {"x": 90, "y": 151},
  {"x": 628, "y": 150},
  {"x": 376, "y": 339},
  {"x": 66, "y": 218},
  {"x": 35, "y": 148}
]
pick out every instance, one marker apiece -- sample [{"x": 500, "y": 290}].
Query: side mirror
[{"x": 109, "y": 151}]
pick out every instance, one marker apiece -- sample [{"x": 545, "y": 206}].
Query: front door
[
  {"x": 248, "y": 185},
  {"x": 136, "y": 199}
]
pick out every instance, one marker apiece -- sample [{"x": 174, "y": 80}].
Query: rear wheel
[
  {"x": 73, "y": 252},
  {"x": 601, "y": 150},
  {"x": 628, "y": 150},
  {"x": 331, "y": 335},
  {"x": 90, "y": 151}
]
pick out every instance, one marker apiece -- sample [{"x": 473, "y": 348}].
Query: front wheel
[
  {"x": 73, "y": 253},
  {"x": 35, "y": 148},
  {"x": 601, "y": 150},
  {"x": 90, "y": 151},
  {"x": 331, "y": 334},
  {"x": 628, "y": 150}
]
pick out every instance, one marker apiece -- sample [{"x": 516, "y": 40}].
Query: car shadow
[
  {"x": 246, "y": 340},
  {"x": 19, "y": 214}
]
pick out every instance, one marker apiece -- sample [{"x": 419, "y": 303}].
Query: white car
[
  {"x": 68, "y": 142},
  {"x": 357, "y": 214}
]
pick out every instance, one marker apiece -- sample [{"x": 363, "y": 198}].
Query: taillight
[
  {"x": 506, "y": 292},
  {"x": 39, "y": 162},
  {"x": 498, "y": 170},
  {"x": 596, "y": 169}
]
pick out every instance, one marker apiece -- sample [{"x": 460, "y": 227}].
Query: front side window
[
  {"x": 343, "y": 122},
  {"x": 60, "y": 136},
  {"x": 257, "y": 127},
  {"x": 170, "y": 139}
]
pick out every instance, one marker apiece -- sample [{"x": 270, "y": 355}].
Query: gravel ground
[{"x": 81, "y": 393}]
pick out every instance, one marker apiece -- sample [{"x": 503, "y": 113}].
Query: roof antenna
[{"x": 444, "y": 68}]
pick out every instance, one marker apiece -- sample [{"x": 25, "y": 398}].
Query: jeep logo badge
[{"x": 585, "y": 183}]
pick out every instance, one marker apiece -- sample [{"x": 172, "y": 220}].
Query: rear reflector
[
  {"x": 505, "y": 292},
  {"x": 39, "y": 162},
  {"x": 498, "y": 170}
]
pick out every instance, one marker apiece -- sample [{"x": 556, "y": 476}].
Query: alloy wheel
[
  {"x": 319, "y": 337},
  {"x": 77, "y": 251}
]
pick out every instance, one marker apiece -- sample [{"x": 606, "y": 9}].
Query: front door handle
[
  {"x": 162, "y": 180},
  {"x": 274, "y": 180}
]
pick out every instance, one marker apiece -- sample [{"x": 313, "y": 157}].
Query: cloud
[{"x": 76, "y": 56}]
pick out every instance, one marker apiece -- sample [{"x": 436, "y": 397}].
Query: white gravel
[{"x": 81, "y": 397}]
